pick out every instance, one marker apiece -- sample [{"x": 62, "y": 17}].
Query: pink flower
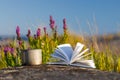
[
  {"x": 52, "y": 23},
  {"x": 64, "y": 24},
  {"x": 28, "y": 34},
  {"x": 38, "y": 32}
]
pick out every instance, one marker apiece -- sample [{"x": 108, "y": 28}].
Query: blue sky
[{"x": 105, "y": 14}]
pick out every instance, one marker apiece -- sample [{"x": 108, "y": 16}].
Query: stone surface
[{"x": 55, "y": 72}]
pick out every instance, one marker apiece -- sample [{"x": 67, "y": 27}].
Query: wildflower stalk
[
  {"x": 65, "y": 35},
  {"x": 54, "y": 32}
]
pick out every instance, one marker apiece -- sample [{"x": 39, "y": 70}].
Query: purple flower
[
  {"x": 18, "y": 32},
  {"x": 52, "y": 23},
  {"x": 45, "y": 30},
  {"x": 20, "y": 42},
  {"x": 28, "y": 34},
  {"x": 64, "y": 24},
  {"x": 51, "y": 19},
  {"x": 7, "y": 49},
  {"x": 38, "y": 32},
  {"x": 18, "y": 29},
  {"x": 11, "y": 50}
]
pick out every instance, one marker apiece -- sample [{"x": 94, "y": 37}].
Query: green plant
[
  {"x": 106, "y": 59},
  {"x": 45, "y": 42},
  {"x": 9, "y": 56}
]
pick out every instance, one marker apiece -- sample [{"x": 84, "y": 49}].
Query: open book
[{"x": 64, "y": 54}]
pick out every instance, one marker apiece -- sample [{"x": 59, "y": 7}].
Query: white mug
[{"x": 32, "y": 57}]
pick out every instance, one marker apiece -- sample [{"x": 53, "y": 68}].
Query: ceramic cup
[{"x": 32, "y": 57}]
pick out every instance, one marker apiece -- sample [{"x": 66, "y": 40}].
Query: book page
[
  {"x": 57, "y": 51},
  {"x": 67, "y": 50},
  {"x": 85, "y": 63},
  {"x": 81, "y": 57},
  {"x": 80, "y": 54},
  {"x": 58, "y": 55},
  {"x": 77, "y": 49}
]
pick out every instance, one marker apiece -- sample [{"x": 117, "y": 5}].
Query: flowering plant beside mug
[{"x": 44, "y": 42}]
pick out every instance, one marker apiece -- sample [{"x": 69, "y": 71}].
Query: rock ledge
[{"x": 55, "y": 72}]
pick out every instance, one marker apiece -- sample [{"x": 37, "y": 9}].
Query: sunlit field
[{"x": 105, "y": 49}]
